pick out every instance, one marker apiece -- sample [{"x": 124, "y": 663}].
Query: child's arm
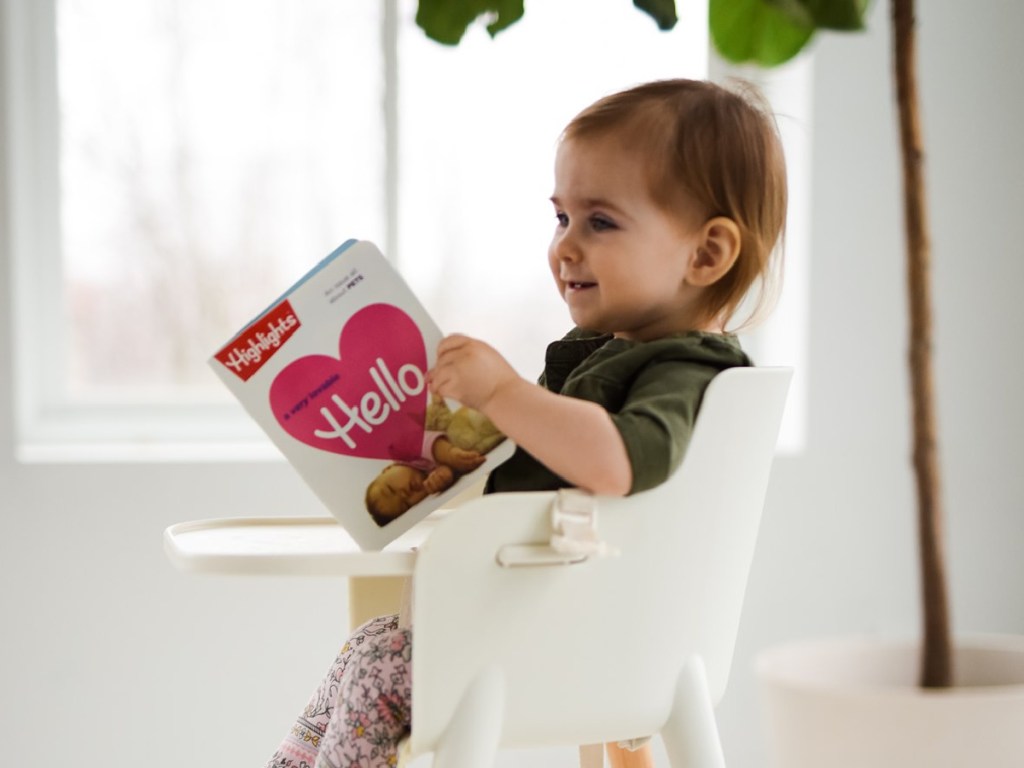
[{"x": 573, "y": 438}]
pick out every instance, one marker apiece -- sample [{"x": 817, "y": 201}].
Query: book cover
[{"x": 335, "y": 372}]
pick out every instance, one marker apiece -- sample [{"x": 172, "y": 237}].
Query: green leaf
[
  {"x": 507, "y": 13},
  {"x": 796, "y": 10},
  {"x": 755, "y": 31},
  {"x": 662, "y": 11},
  {"x": 843, "y": 15},
  {"x": 446, "y": 21}
]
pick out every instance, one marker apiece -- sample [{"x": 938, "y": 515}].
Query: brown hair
[{"x": 718, "y": 147}]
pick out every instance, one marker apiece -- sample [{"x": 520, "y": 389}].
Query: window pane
[
  {"x": 212, "y": 150},
  {"x": 479, "y": 125}
]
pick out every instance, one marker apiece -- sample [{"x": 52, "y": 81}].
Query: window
[{"x": 178, "y": 162}]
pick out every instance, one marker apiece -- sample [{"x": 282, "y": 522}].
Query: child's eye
[
  {"x": 562, "y": 219},
  {"x": 599, "y": 223}
]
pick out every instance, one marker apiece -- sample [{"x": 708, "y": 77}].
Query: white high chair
[{"x": 517, "y": 645}]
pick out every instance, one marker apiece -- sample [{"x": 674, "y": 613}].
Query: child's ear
[{"x": 717, "y": 250}]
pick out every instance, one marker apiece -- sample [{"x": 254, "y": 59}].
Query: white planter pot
[{"x": 854, "y": 703}]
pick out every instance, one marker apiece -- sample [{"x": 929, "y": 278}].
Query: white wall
[{"x": 110, "y": 657}]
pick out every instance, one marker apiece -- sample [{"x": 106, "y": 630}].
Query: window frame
[
  {"x": 31, "y": 175},
  {"x": 48, "y": 427}
]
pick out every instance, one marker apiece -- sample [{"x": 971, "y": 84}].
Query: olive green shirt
[{"x": 651, "y": 389}]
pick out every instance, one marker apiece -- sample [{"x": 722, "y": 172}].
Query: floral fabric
[{"x": 363, "y": 707}]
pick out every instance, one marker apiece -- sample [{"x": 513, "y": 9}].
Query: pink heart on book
[{"x": 371, "y": 400}]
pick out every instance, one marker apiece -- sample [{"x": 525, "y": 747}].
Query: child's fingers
[
  {"x": 451, "y": 343},
  {"x": 471, "y": 461},
  {"x": 444, "y": 384},
  {"x": 450, "y": 350},
  {"x": 439, "y": 479},
  {"x": 438, "y": 378}
]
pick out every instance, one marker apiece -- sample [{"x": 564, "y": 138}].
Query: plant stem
[{"x": 936, "y": 659}]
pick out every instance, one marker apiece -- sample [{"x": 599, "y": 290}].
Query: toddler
[{"x": 669, "y": 201}]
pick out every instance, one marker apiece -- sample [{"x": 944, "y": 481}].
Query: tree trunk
[{"x": 936, "y": 659}]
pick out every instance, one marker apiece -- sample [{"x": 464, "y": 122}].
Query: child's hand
[
  {"x": 469, "y": 371},
  {"x": 439, "y": 479},
  {"x": 458, "y": 459},
  {"x": 576, "y": 439}
]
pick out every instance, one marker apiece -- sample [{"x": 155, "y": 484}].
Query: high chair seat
[
  {"x": 519, "y": 646},
  {"x": 629, "y": 644}
]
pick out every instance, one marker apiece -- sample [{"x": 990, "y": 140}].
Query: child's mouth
[{"x": 573, "y": 286}]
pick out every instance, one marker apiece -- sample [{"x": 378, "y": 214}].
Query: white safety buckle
[{"x": 574, "y": 524}]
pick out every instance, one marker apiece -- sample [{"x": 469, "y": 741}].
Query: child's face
[
  {"x": 396, "y": 489},
  {"x": 619, "y": 260}
]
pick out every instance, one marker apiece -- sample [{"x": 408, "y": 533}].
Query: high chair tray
[{"x": 286, "y": 545}]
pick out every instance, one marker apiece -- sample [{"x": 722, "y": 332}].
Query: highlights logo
[{"x": 248, "y": 351}]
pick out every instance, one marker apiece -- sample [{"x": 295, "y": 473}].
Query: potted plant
[
  {"x": 864, "y": 701},
  {"x": 853, "y": 702}
]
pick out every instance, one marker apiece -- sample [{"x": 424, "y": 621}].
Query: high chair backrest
[{"x": 591, "y": 652}]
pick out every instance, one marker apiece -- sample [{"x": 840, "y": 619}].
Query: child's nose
[{"x": 567, "y": 249}]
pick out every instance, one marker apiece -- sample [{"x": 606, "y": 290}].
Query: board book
[{"x": 335, "y": 372}]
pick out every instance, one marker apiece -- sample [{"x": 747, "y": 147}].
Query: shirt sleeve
[
  {"x": 418, "y": 455},
  {"x": 656, "y": 421}
]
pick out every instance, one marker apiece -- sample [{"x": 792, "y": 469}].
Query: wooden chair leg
[
  {"x": 372, "y": 596},
  {"x": 618, "y": 757},
  {"x": 591, "y": 755}
]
